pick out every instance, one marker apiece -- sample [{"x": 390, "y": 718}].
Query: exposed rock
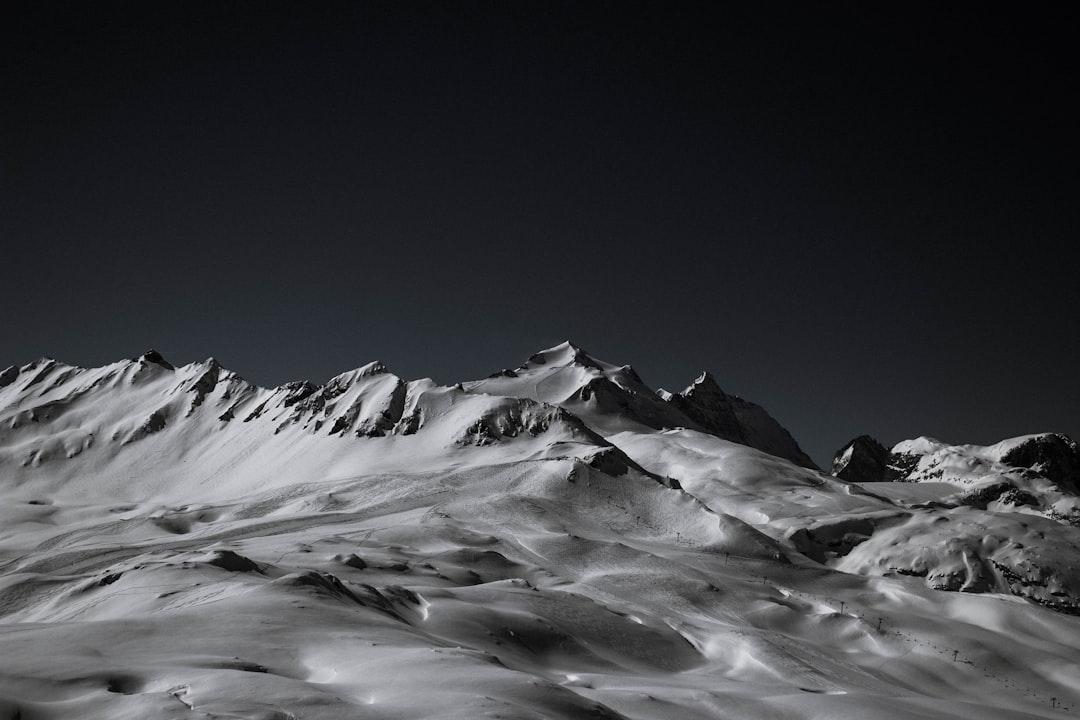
[
  {"x": 1003, "y": 492},
  {"x": 732, "y": 418},
  {"x": 1056, "y": 457},
  {"x": 863, "y": 459},
  {"x": 522, "y": 417},
  {"x": 322, "y": 583},
  {"x": 832, "y": 539},
  {"x": 354, "y": 561},
  {"x": 205, "y": 384},
  {"x": 297, "y": 391},
  {"x": 563, "y": 354},
  {"x": 411, "y": 423},
  {"x": 229, "y": 560},
  {"x": 8, "y": 376},
  {"x": 46, "y": 365},
  {"x": 900, "y": 466},
  {"x": 154, "y": 423},
  {"x": 153, "y": 356}
]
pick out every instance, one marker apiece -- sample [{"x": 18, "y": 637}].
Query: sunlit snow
[{"x": 556, "y": 541}]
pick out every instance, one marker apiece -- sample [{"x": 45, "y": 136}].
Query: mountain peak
[
  {"x": 704, "y": 384},
  {"x": 864, "y": 459},
  {"x": 372, "y": 368},
  {"x": 462, "y": 516},
  {"x": 153, "y": 356},
  {"x": 563, "y": 354},
  {"x": 732, "y": 418}
]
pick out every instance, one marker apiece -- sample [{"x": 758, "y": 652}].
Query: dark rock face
[
  {"x": 229, "y": 560},
  {"x": 901, "y": 466},
  {"x": 863, "y": 459},
  {"x": 8, "y": 376},
  {"x": 153, "y": 356},
  {"x": 154, "y": 423},
  {"x": 1004, "y": 492},
  {"x": 709, "y": 406},
  {"x": 732, "y": 418},
  {"x": 206, "y": 383},
  {"x": 1056, "y": 457},
  {"x": 833, "y": 539}
]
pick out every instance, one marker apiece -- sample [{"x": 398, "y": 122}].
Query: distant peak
[
  {"x": 372, "y": 368},
  {"x": 705, "y": 383},
  {"x": 565, "y": 353},
  {"x": 153, "y": 356},
  {"x": 347, "y": 379},
  {"x": 864, "y": 459}
]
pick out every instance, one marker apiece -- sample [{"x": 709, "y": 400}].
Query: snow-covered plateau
[{"x": 558, "y": 540}]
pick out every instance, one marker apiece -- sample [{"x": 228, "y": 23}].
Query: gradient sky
[{"x": 859, "y": 218}]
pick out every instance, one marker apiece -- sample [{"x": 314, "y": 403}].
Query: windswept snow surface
[{"x": 557, "y": 541}]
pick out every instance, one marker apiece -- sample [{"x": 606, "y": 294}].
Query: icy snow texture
[{"x": 557, "y": 541}]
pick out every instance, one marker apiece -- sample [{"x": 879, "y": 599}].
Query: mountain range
[{"x": 555, "y": 540}]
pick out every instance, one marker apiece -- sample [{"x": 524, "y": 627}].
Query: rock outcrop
[{"x": 863, "y": 459}]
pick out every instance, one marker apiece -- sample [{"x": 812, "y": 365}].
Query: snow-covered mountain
[
  {"x": 58, "y": 421},
  {"x": 1032, "y": 474},
  {"x": 556, "y": 540}
]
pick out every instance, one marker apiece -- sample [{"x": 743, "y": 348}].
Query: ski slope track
[{"x": 558, "y": 540}]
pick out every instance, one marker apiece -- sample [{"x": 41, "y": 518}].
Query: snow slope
[{"x": 556, "y": 541}]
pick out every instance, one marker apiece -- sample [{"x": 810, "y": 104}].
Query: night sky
[{"x": 857, "y": 217}]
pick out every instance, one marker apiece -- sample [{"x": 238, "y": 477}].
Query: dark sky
[{"x": 860, "y": 218}]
